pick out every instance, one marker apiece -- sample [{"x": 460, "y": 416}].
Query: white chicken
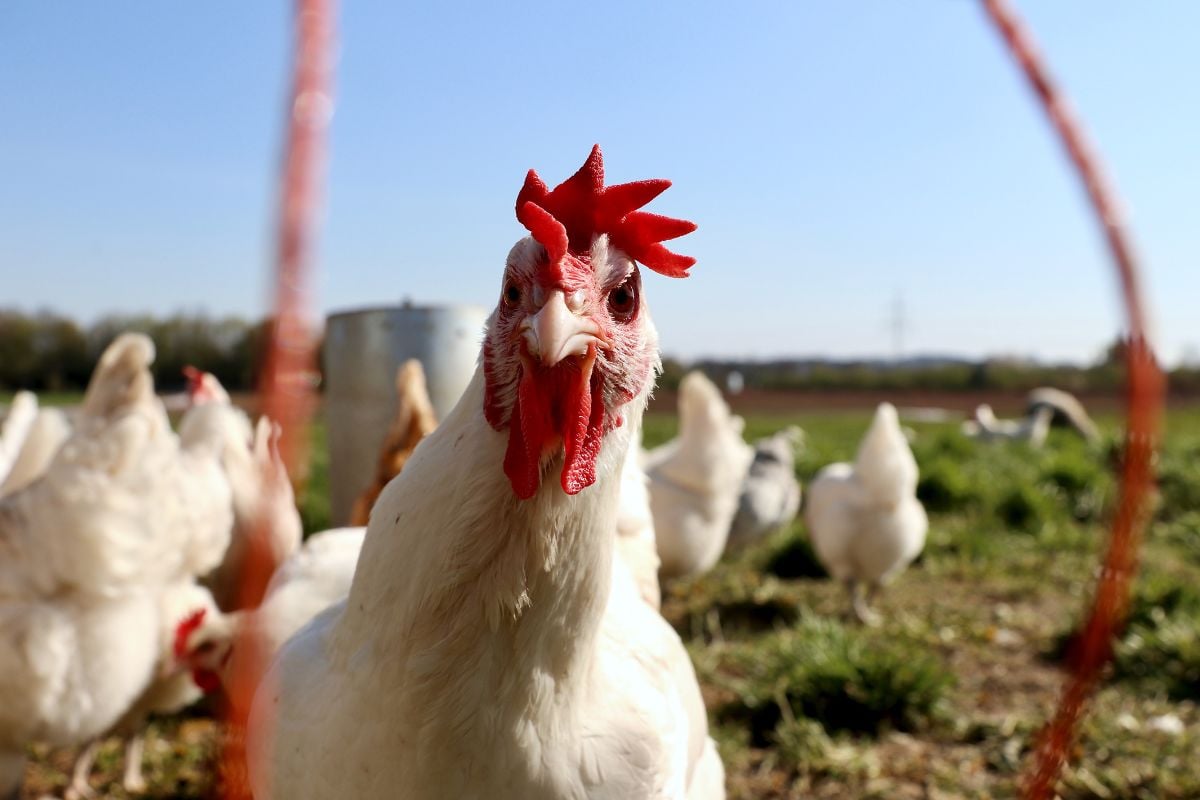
[
  {"x": 315, "y": 577},
  {"x": 864, "y": 519},
  {"x": 636, "y": 542},
  {"x": 489, "y": 647},
  {"x": 21, "y": 413},
  {"x": 696, "y": 479},
  {"x": 86, "y": 553},
  {"x": 263, "y": 499},
  {"x": 171, "y": 689},
  {"x": 1033, "y": 428},
  {"x": 49, "y": 430},
  {"x": 770, "y": 495}
]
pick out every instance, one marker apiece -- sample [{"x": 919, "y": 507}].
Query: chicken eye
[
  {"x": 512, "y": 294},
  {"x": 623, "y": 301}
]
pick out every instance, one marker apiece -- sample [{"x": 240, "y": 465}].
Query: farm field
[{"x": 943, "y": 698}]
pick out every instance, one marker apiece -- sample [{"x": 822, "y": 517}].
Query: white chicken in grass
[
  {"x": 490, "y": 647},
  {"x": 263, "y": 499},
  {"x": 15, "y": 427},
  {"x": 864, "y": 519},
  {"x": 696, "y": 479},
  {"x": 770, "y": 495},
  {"x": 86, "y": 553},
  {"x": 49, "y": 430}
]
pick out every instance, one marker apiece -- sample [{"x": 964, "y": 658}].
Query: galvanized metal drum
[{"x": 362, "y": 352}]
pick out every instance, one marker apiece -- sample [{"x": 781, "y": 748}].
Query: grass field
[{"x": 941, "y": 700}]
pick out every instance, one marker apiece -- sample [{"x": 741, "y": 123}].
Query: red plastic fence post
[
  {"x": 287, "y": 382},
  {"x": 1144, "y": 402}
]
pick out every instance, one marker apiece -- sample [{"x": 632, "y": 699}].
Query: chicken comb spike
[
  {"x": 184, "y": 631},
  {"x": 195, "y": 380},
  {"x": 566, "y": 219}
]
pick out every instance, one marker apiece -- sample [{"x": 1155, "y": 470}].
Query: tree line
[{"x": 48, "y": 352}]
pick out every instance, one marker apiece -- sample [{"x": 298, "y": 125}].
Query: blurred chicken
[
  {"x": 263, "y": 499},
  {"x": 86, "y": 553},
  {"x": 986, "y": 427},
  {"x": 695, "y": 480},
  {"x": 49, "y": 430},
  {"x": 315, "y": 577},
  {"x": 864, "y": 519},
  {"x": 770, "y": 494},
  {"x": 171, "y": 690},
  {"x": 414, "y": 421},
  {"x": 636, "y": 542},
  {"x": 1065, "y": 409},
  {"x": 21, "y": 413}
]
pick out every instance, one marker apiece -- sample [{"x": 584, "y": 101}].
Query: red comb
[
  {"x": 567, "y": 218},
  {"x": 185, "y": 629},
  {"x": 195, "y": 380}
]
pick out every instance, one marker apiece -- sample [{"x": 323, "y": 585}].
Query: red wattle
[{"x": 581, "y": 440}]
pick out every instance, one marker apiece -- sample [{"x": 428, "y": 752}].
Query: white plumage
[
  {"x": 695, "y": 480},
  {"x": 46, "y": 436},
  {"x": 491, "y": 646},
  {"x": 770, "y": 495},
  {"x": 864, "y": 519},
  {"x": 86, "y": 553},
  {"x": 264, "y": 504},
  {"x": 315, "y": 577},
  {"x": 636, "y": 541},
  {"x": 15, "y": 427},
  {"x": 1033, "y": 428}
]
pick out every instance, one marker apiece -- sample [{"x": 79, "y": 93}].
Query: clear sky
[{"x": 835, "y": 155}]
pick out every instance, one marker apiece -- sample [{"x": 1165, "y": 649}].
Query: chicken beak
[{"x": 560, "y": 329}]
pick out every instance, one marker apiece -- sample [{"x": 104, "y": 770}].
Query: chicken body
[
  {"x": 314, "y": 578},
  {"x": 864, "y": 519},
  {"x": 696, "y": 479},
  {"x": 637, "y": 544},
  {"x": 15, "y": 427},
  {"x": 86, "y": 553},
  {"x": 770, "y": 495},
  {"x": 46, "y": 436},
  {"x": 491, "y": 646},
  {"x": 264, "y": 504},
  {"x": 483, "y": 677}
]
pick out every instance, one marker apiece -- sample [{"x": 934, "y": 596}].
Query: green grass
[{"x": 945, "y": 697}]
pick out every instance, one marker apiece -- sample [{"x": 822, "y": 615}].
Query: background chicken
[
  {"x": 15, "y": 427},
  {"x": 264, "y": 503},
  {"x": 770, "y": 495},
  {"x": 414, "y": 421},
  {"x": 315, "y": 577},
  {"x": 488, "y": 647},
  {"x": 86, "y": 554},
  {"x": 864, "y": 519},
  {"x": 696, "y": 479},
  {"x": 171, "y": 689},
  {"x": 46, "y": 435},
  {"x": 637, "y": 544}
]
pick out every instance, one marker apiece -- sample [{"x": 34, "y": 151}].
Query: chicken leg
[
  {"x": 860, "y": 602},
  {"x": 80, "y": 788},
  {"x": 133, "y": 781}
]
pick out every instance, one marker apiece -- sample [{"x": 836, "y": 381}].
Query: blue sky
[{"x": 835, "y": 156}]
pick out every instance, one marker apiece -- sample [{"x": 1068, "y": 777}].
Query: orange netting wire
[
  {"x": 286, "y": 384},
  {"x": 1144, "y": 402}
]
